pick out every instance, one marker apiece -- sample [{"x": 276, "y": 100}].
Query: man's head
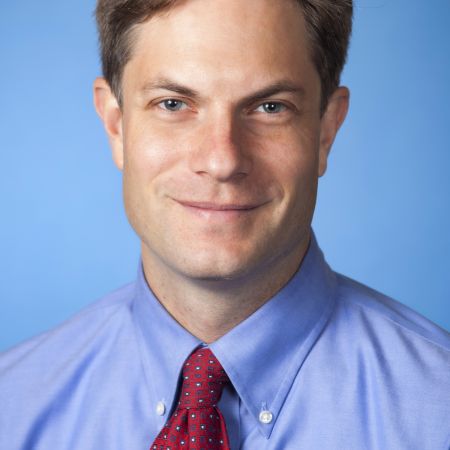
[{"x": 221, "y": 129}]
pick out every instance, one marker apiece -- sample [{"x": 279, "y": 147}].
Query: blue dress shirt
[{"x": 325, "y": 364}]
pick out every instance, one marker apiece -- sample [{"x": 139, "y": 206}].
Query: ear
[
  {"x": 331, "y": 121},
  {"x": 108, "y": 109}
]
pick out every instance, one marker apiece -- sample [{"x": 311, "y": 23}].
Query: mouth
[
  {"x": 218, "y": 206},
  {"x": 219, "y": 211}
]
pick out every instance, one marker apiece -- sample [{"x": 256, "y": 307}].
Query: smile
[{"x": 219, "y": 211}]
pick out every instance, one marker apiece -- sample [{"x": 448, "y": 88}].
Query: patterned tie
[{"x": 197, "y": 423}]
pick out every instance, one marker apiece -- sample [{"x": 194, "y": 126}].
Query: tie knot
[{"x": 203, "y": 380}]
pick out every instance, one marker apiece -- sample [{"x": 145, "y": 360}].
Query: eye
[
  {"x": 271, "y": 107},
  {"x": 172, "y": 105}
]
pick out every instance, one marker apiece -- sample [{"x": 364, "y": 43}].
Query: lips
[
  {"x": 215, "y": 212},
  {"x": 209, "y": 206}
]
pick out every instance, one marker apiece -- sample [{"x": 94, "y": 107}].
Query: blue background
[{"x": 383, "y": 215}]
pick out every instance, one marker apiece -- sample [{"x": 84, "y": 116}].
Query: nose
[{"x": 220, "y": 150}]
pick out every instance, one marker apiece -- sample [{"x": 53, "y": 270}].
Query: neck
[{"x": 208, "y": 309}]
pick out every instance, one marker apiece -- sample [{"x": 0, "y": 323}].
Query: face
[{"x": 220, "y": 136}]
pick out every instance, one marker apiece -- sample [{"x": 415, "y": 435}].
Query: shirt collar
[
  {"x": 262, "y": 355},
  {"x": 165, "y": 343}
]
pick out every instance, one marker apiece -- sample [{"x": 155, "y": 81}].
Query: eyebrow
[
  {"x": 278, "y": 87},
  {"x": 169, "y": 85}
]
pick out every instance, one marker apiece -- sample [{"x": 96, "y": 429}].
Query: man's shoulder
[
  {"x": 399, "y": 359},
  {"x": 387, "y": 321},
  {"x": 76, "y": 335},
  {"x": 80, "y": 364}
]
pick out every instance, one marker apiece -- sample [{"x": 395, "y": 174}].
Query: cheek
[
  {"x": 148, "y": 155},
  {"x": 292, "y": 159}
]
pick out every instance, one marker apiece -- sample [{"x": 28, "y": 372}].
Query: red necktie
[{"x": 197, "y": 423}]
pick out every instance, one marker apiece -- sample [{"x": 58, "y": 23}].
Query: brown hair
[{"x": 328, "y": 24}]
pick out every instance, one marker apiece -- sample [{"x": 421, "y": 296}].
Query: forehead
[{"x": 239, "y": 41}]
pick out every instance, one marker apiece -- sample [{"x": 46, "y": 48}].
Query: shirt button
[
  {"x": 265, "y": 417},
  {"x": 160, "y": 408}
]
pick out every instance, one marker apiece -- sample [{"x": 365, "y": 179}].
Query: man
[{"x": 221, "y": 115}]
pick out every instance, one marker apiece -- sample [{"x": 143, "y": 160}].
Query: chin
[{"x": 217, "y": 267}]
